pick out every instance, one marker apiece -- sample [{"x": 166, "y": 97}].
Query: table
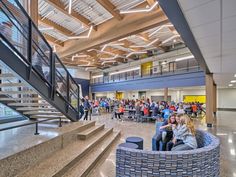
[
  {"x": 135, "y": 140},
  {"x": 129, "y": 145}
]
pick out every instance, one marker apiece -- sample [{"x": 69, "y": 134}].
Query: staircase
[
  {"x": 76, "y": 158},
  {"x": 36, "y": 83}
]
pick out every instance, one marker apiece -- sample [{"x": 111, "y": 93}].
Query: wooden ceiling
[{"x": 98, "y": 33}]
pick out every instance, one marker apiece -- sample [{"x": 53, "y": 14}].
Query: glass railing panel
[{"x": 14, "y": 26}]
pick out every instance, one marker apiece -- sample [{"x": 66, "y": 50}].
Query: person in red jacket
[{"x": 120, "y": 111}]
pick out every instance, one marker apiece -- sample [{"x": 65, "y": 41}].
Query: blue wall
[
  {"x": 84, "y": 85},
  {"x": 189, "y": 79}
]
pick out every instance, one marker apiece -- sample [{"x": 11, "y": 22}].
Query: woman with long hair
[{"x": 187, "y": 132}]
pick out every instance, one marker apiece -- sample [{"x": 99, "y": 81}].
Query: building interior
[{"x": 90, "y": 88}]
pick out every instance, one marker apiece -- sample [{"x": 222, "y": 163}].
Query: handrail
[
  {"x": 26, "y": 124},
  {"x": 33, "y": 38}
]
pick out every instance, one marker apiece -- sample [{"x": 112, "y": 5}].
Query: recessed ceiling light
[
  {"x": 230, "y": 85},
  {"x": 233, "y": 81},
  {"x": 235, "y": 75}
]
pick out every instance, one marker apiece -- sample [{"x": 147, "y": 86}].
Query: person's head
[
  {"x": 172, "y": 119},
  {"x": 189, "y": 124},
  {"x": 178, "y": 118},
  {"x": 86, "y": 97}
]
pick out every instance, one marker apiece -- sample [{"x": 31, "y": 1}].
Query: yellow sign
[
  {"x": 119, "y": 95},
  {"x": 195, "y": 98}
]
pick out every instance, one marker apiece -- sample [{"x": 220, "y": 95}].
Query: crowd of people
[{"x": 143, "y": 107}]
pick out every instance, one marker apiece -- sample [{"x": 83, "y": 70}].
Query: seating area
[{"x": 203, "y": 161}]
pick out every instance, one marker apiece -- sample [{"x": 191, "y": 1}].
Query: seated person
[
  {"x": 187, "y": 132},
  {"x": 167, "y": 128},
  {"x": 120, "y": 111},
  {"x": 177, "y": 137}
]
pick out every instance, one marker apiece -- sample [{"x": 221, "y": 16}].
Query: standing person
[
  {"x": 87, "y": 107},
  {"x": 120, "y": 111}
]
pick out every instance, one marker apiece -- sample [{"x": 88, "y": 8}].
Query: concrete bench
[{"x": 204, "y": 161}]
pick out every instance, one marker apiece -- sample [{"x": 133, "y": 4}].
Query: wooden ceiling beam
[
  {"x": 113, "y": 30},
  {"x": 59, "y": 28},
  {"x": 53, "y": 40},
  {"x": 61, "y": 7},
  {"x": 111, "y": 9},
  {"x": 151, "y": 2}
]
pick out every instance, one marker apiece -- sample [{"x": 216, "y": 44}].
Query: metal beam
[{"x": 113, "y": 30}]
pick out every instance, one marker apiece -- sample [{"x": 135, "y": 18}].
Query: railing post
[
  {"x": 36, "y": 129},
  {"x": 67, "y": 91},
  {"x": 187, "y": 65},
  {"x": 29, "y": 47},
  {"x": 78, "y": 101},
  {"x": 60, "y": 124},
  {"x": 52, "y": 74}
]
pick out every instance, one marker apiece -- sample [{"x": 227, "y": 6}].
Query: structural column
[
  {"x": 165, "y": 94},
  {"x": 209, "y": 99}
]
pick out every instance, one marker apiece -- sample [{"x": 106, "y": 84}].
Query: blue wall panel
[
  {"x": 157, "y": 82},
  {"x": 84, "y": 85}
]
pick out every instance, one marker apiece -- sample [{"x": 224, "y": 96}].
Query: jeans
[
  {"x": 170, "y": 144},
  {"x": 119, "y": 113}
]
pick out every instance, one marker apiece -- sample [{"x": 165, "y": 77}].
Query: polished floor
[{"x": 225, "y": 129}]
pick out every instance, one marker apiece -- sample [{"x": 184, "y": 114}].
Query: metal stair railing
[{"x": 23, "y": 38}]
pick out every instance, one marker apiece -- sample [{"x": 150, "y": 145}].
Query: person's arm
[
  {"x": 182, "y": 131},
  {"x": 164, "y": 125}
]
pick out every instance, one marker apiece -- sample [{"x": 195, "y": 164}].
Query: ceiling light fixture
[
  {"x": 233, "y": 81},
  {"x": 111, "y": 58},
  {"x": 184, "y": 58},
  {"x": 138, "y": 52},
  {"x": 144, "y": 46},
  {"x": 46, "y": 28},
  {"x": 235, "y": 75},
  {"x": 230, "y": 85},
  {"x": 82, "y": 37},
  {"x": 110, "y": 61},
  {"x": 141, "y": 10},
  {"x": 97, "y": 76},
  {"x": 70, "y": 7},
  {"x": 78, "y": 56},
  {"x": 170, "y": 38},
  {"x": 160, "y": 28},
  {"x": 114, "y": 44}
]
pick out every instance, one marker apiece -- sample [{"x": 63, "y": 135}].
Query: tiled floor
[{"x": 225, "y": 129}]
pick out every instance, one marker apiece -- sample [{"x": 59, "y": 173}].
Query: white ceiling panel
[
  {"x": 228, "y": 7},
  {"x": 190, "y": 4},
  {"x": 210, "y": 29},
  {"x": 204, "y": 14}
]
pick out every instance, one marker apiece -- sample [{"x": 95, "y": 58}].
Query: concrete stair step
[
  {"x": 22, "y": 99},
  {"x": 12, "y": 85},
  {"x": 47, "y": 117},
  {"x": 84, "y": 166},
  {"x": 17, "y": 92},
  {"x": 35, "y": 109},
  {"x": 89, "y": 132},
  {"x": 28, "y": 104},
  {"x": 64, "y": 159},
  {"x": 6, "y": 75},
  {"x": 43, "y": 113}
]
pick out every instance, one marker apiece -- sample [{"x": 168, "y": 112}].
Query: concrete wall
[{"x": 226, "y": 98}]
